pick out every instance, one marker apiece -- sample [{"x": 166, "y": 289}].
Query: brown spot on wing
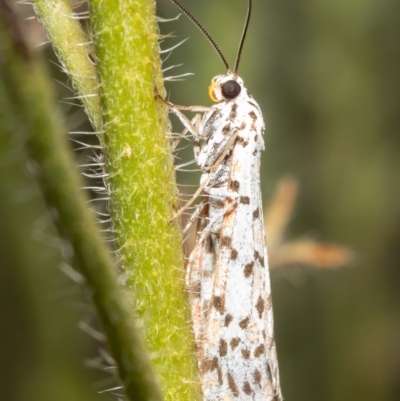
[
  {"x": 253, "y": 117},
  {"x": 223, "y": 348},
  {"x": 242, "y": 141},
  {"x": 226, "y": 130},
  {"x": 234, "y": 254},
  {"x": 233, "y": 113},
  {"x": 218, "y": 302},
  {"x": 245, "y": 353},
  {"x": 245, "y": 200},
  {"x": 226, "y": 241},
  {"x": 235, "y": 342},
  {"x": 219, "y": 373},
  {"x": 248, "y": 269},
  {"x": 259, "y": 351},
  {"x": 260, "y": 306},
  {"x": 257, "y": 377},
  {"x": 260, "y": 258},
  {"x": 209, "y": 245},
  {"x": 209, "y": 365},
  {"x": 234, "y": 185},
  {"x": 256, "y": 213},
  {"x": 232, "y": 385},
  {"x": 247, "y": 388},
  {"x": 228, "y": 319},
  {"x": 243, "y": 323}
]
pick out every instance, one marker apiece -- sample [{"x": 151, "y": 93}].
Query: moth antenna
[
  {"x": 246, "y": 25},
  {"x": 208, "y": 36}
]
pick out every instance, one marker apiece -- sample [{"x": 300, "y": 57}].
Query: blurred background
[{"x": 326, "y": 75}]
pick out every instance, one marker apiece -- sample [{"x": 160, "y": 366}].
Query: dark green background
[{"x": 326, "y": 75}]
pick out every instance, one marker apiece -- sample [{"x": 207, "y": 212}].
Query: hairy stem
[
  {"x": 142, "y": 185},
  {"x": 75, "y": 52}
]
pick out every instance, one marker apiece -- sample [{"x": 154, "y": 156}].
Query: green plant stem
[
  {"x": 142, "y": 185},
  {"x": 75, "y": 51},
  {"x": 30, "y": 93}
]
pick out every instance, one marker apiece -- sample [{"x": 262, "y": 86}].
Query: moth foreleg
[
  {"x": 185, "y": 131},
  {"x": 192, "y": 128}
]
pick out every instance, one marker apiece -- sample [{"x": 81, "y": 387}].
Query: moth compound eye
[{"x": 230, "y": 89}]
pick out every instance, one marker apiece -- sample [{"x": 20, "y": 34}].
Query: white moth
[{"x": 227, "y": 272}]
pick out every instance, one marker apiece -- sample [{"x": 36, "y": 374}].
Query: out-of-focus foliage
[{"x": 44, "y": 353}]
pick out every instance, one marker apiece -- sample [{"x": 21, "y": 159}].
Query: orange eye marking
[{"x": 211, "y": 92}]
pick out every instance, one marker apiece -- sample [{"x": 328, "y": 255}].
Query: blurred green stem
[{"x": 31, "y": 94}]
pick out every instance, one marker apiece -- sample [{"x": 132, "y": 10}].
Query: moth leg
[
  {"x": 196, "y": 139},
  {"x": 195, "y": 215},
  {"x": 201, "y": 260},
  {"x": 176, "y": 109},
  {"x": 195, "y": 121},
  {"x": 220, "y": 194}
]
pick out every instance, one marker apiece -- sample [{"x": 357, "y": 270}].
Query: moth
[{"x": 227, "y": 272}]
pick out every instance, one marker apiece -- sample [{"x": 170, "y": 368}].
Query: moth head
[{"x": 225, "y": 87}]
